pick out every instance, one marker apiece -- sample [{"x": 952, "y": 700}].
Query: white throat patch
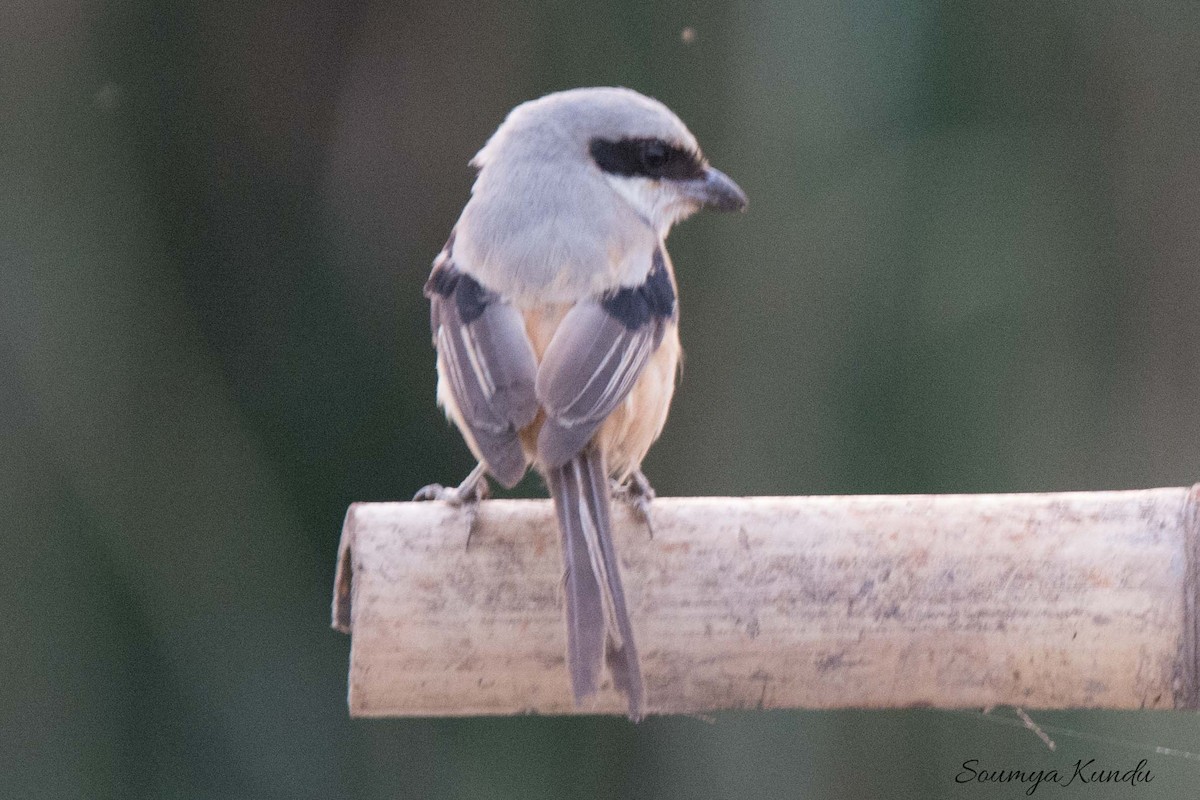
[{"x": 655, "y": 201}]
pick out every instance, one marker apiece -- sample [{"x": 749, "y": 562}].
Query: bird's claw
[
  {"x": 435, "y": 491},
  {"x": 638, "y": 493},
  {"x": 467, "y": 496},
  {"x": 454, "y": 495}
]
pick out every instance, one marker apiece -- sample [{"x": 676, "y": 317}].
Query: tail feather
[
  {"x": 585, "y": 609},
  {"x": 598, "y": 626},
  {"x": 621, "y": 653}
]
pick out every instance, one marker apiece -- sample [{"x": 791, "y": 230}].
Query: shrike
[{"x": 554, "y": 316}]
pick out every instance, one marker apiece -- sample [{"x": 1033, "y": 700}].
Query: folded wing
[
  {"x": 488, "y": 364},
  {"x": 595, "y": 357}
]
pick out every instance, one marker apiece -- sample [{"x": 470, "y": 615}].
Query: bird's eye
[{"x": 654, "y": 155}]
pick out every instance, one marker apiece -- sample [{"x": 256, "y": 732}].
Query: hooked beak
[{"x": 717, "y": 190}]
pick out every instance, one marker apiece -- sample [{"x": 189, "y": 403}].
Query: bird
[{"x": 554, "y": 314}]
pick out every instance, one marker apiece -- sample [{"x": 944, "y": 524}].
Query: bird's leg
[
  {"x": 637, "y": 492},
  {"x": 473, "y": 489},
  {"x": 467, "y": 495}
]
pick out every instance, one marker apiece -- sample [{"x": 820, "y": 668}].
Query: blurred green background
[{"x": 970, "y": 264}]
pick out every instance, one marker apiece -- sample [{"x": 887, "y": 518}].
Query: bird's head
[{"x": 634, "y": 144}]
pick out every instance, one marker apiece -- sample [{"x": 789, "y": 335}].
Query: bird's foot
[
  {"x": 637, "y": 492},
  {"x": 467, "y": 495},
  {"x": 461, "y": 495}
]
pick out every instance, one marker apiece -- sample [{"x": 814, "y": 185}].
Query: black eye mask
[{"x": 647, "y": 158}]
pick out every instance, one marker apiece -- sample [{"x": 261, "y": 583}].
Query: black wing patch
[
  {"x": 636, "y": 306},
  {"x": 488, "y": 363},
  {"x": 594, "y": 359}
]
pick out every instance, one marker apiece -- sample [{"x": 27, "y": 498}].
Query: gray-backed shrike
[{"x": 554, "y": 316}]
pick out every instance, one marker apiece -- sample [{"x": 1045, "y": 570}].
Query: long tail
[{"x": 597, "y": 622}]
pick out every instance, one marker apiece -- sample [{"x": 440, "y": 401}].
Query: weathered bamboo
[{"x": 1036, "y": 600}]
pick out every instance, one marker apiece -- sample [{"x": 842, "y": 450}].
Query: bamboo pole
[{"x": 1036, "y": 600}]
